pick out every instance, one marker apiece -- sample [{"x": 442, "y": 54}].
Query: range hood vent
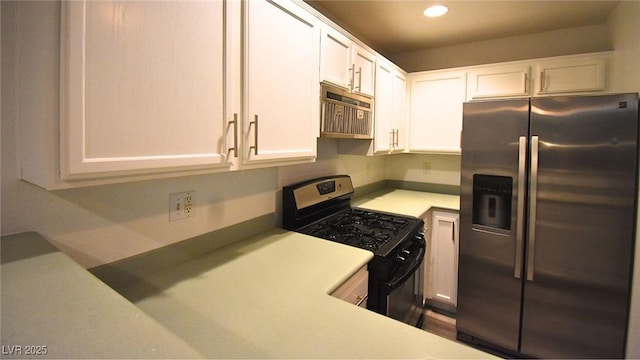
[{"x": 345, "y": 115}]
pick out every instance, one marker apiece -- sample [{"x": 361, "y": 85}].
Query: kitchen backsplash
[{"x": 103, "y": 224}]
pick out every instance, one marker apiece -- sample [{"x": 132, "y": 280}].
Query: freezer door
[
  {"x": 492, "y": 191},
  {"x": 583, "y": 195}
]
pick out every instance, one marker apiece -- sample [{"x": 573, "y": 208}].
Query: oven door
[{"x": 405, "y": 291}]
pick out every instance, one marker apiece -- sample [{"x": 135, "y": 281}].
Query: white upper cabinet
[
  {"x": 390, "y": 109},
  {"x": 346, "y": 64},
  {"x": 152, "y": 89},
  {"x": 233, "y": 83},
  {"x": 364, "y": 69},
  {"x": 281, "y": 85},
  {"x": 435, "y": 119},
  {"x": 498, "y": 81},
  {"x": 400, "y": 106},
  {"x": 141, "y": 87},
  {"x": 335, "y": 62},
  {"x": 574, "y": 74}
]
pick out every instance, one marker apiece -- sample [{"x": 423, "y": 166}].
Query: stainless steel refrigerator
[{"x": 547, "y": 225}]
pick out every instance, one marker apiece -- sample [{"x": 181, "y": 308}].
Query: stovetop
[
  {"x": 321, "y": 207},
  {"x": 376, "y": 231}
]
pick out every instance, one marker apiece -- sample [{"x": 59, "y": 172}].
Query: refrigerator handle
[
  {"x": 533, "y": 192},
  {"x": 522, "y": 163}
]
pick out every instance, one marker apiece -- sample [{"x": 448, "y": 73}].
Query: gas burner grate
[{"x": 357, "y": 227}]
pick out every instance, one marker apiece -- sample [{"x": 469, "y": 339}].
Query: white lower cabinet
[
  {"x": 355, "y": 290},
  {"x": 435, "y": 118},
  {"x": 442, "y": 270}
]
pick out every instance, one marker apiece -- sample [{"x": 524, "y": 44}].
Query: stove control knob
[{"x": 403, "y": 255}]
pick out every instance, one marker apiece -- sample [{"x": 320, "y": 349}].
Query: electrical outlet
[
  {"x": 189, "y": 209},
  {"x": 182, "y": 205}
]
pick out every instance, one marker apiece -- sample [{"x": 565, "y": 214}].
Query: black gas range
[
  {"x": 321, "y": 207},
  {"x": 362, "y": 228}
]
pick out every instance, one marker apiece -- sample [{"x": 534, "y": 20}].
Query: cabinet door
[
  {"x": 400, "y": 110},
  {"x": 345, "y": 64},
  {"x": 571, "y": 75},
  {"x": 335, "y": 58},
  {"x": 384, "y": 137},
  {"x": 233, "y": 85},
  {"x": 142, "y": 87},
  {"x": 390, "y": 109},
  {"x": 282, "y": 51},
  {"x": 444, "y": 255},
  {"x": 364, "y": 65},
  {"x": 435, "y": 119},
  {"x": 355, "y": 289},
  {"x": 428, "y": 260},
  {"x": 498, "y": 81}
]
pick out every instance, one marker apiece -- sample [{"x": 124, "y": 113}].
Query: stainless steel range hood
[{"x": 344, "y": 114}]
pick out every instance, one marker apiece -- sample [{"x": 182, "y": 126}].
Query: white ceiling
[{"x": 396, "y": 26}]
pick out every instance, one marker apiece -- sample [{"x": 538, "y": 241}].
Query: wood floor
[{"x": 439, "y": 324}]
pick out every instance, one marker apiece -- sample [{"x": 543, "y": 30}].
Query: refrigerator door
[
  {"x": 583, "y": 195},
  {"x": 494, "y": 140}
]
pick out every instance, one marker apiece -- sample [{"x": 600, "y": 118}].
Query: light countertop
[
  {"x": 54, "y": 308},
  {"x": 263, "y": 297},
  {"x": 267, "y": 297},
  {"x": 407, "y": 202}
]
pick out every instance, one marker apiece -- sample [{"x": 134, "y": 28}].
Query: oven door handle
[{"x": 399, "y": 280}]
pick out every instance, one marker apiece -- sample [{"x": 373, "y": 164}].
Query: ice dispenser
[{"x": 492, "y": 201}]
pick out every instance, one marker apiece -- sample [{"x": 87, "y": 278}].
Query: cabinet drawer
[{"x": 355, "y": 289}]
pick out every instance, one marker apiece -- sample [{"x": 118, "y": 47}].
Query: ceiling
[{"x": 396, "y": 26}]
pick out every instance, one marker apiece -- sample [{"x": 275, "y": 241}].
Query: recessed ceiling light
[{"x": 436, "y": 10}]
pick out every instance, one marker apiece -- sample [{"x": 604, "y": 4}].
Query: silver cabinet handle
[
  {"x": 359, "y": 72},
  {"x": 360, "y": 299},
  {"x": 394, "y": 138},
  {"x": 542, "y": 78},
  {"x": 352, "y": 70},
  {"x": 533, "y": 194},
  {"x": 234, "y": 122},
  {"x": 255, "y": 135},
  {"x": 453, "y": 231},
  {"x": 526, "y": 83},
  {"x": 522, "y": 164}
]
